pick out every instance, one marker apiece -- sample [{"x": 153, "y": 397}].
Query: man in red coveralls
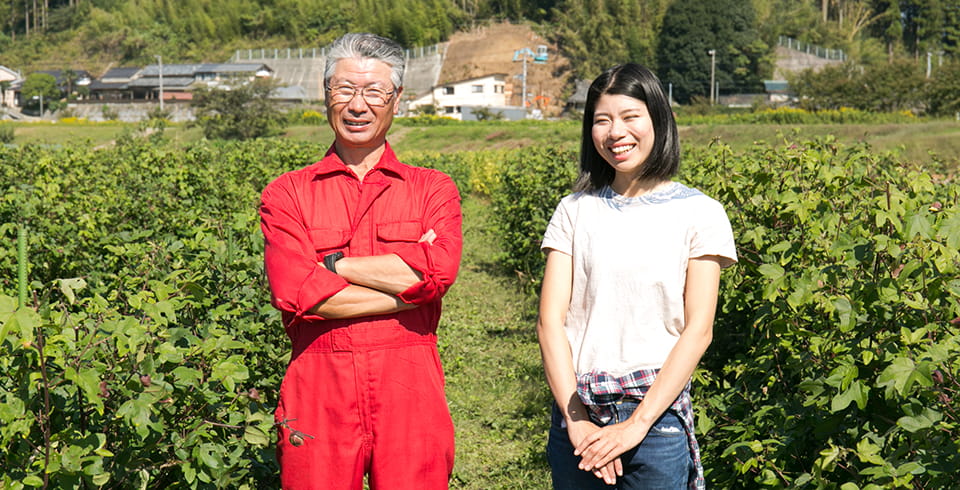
[{"x": 359, "y": 250}]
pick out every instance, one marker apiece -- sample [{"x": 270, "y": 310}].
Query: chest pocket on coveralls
[
  {"x": 401, "y": 231},
  {"x": 327, "y": 241}
]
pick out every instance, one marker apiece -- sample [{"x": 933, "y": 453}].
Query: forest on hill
[{"x": 671, "y": 35}]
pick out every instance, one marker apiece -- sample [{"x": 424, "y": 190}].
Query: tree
[
  {"x": 240, "y": 111},
  {"x": 877, "y": 87},
  {"x": 692, "y": 28},
  {"x": 4, "y": 86},
  {"x": 69, "y": 79},
  {"x": 951, "y": 27},
  {"x": 943, "y": 91},
  {"x": 593, "y": 35},
  {"x": 42, "y": 86}
]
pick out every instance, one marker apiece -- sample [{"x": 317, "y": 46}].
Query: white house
[
  {"x": 450, "y": 98},
  {"x": 6, "y": 93}
]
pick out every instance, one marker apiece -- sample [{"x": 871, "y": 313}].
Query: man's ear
[{"x": 396, "y": 104}]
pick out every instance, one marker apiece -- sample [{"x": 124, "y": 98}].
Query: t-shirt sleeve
[
  {"x": 559, "y": 234},
  {"x": 713, "y": 235}
]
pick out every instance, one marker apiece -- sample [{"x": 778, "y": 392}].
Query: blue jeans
[{"x": 662, "y": 460}]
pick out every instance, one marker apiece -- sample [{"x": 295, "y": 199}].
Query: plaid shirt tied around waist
[{"x": 600, "y": 390}]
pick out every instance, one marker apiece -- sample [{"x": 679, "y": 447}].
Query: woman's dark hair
[{"x": 635, "y": 81}]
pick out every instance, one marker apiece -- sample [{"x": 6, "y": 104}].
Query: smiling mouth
[
  {"x": 356, "y": 124},
  {"x": 620, "y": 150}
]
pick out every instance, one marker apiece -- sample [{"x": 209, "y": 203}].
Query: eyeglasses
[{"x": 374, "y": 96}]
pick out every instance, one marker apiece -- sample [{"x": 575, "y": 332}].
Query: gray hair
[{"x": 367, "y": 46}]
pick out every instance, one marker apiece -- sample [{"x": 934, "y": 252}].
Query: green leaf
[
  {"x": 900, "y": 376},
  {"x": 912, "y": 468},
  {"x": 771, "y": 271},
  {"x": 255, "y": 435},
  {"x": 918, "y": 225},
  {"x": 869, "y": 452},
  {"x": 71, "y": 458},
  {"x": 208, "y": 454},
  {"x": 915, "y": 423},
  {"x": 7, "y": 306},
  {"x": 33, "y": 481},
  {"x": 828, "y": 458},
  {"x": 856, "y": 393},
  {"x": 894, "y": 377},
  {"x": 69, "y": 286},
  {"x": 187, "y": 376},
  {"x": 846, "y": 319},
  {"x": 229, "y": 371},
  {"x": 88, "y": 381}
]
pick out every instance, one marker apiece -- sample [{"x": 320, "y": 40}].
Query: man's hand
[{"x": 429, "y": 236}]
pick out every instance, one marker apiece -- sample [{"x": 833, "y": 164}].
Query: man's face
[{"x": 362, "y": 121}]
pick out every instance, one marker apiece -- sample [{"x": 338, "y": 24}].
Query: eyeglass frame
[{"x": 360, "y": 91}]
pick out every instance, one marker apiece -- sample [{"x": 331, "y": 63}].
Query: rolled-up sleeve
[
  {"x": 437, "y": 262},
  {"x": 297, "y": 280}
]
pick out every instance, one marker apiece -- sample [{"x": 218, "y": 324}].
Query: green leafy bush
[
  {"x": 791, "y": 115},
  {"x": 476, "y": 173},
  {"x": 150, "y": 356},
  {"x": 836, "y": 352},
  {"x": 532, "y": 182},
  {"x": 238, "y": 112},
  {"x": 6, "y": 133}
]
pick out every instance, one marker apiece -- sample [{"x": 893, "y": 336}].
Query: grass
[
  {"x": 934, "y": 141},
  {"x": 922, "y": 142},
  {"x": 498, "y": 397}
]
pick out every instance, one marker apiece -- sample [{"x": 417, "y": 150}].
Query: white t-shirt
[{"x": 629, "y": 269}]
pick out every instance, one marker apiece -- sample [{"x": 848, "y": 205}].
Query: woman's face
[{"x": 623, "y": 134}]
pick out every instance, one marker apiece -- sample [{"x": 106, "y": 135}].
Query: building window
[
  {"x": 477, "y": 89},
  {"x": 449, "y": 109},
  {"x": 447, "y": 90},
  {"x": 498, "y": 89}
]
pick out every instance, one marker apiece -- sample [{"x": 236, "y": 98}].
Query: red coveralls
[{"x": 364, "y": 395}]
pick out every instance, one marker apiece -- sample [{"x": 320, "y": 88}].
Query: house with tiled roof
[
  {"x": 114, "y": 84},
  {"x": 178, "y": 80}
]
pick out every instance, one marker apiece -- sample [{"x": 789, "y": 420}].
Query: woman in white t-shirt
[{"x": 629, "y": 294}]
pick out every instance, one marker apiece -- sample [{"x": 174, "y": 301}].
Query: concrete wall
[
  {"x": 130, "y": 111},
  {"x": 306, "y": 68},
  {"x": 792, "y": 61}
]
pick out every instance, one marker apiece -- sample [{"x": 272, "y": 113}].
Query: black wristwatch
[{"x": 330, "y": 261}]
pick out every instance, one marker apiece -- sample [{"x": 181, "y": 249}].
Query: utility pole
[
  {"x": 523, "y": 96},
  {"x": 713, "y": 69},
  {"x": 160, "y": 61}
]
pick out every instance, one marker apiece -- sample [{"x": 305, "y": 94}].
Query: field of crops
[{"x": 146, "y": 354}]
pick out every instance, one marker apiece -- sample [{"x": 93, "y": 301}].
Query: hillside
[{"x": 490, "y": 49}]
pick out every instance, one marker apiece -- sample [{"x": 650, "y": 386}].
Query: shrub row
[
  {"x": 837, "y": 353},
  {"x": 149, "y": 355}
]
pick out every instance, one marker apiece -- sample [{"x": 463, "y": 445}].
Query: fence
[
  {"x": 825, "y": 53},
  {"x": 308, "y": 53}
]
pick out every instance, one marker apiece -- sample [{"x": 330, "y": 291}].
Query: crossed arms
[
  {"x": 375, "y": 283},
  {"x": 409, "y": 271}
]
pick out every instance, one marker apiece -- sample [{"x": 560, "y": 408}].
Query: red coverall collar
[{"x": 332, "y": 163}]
